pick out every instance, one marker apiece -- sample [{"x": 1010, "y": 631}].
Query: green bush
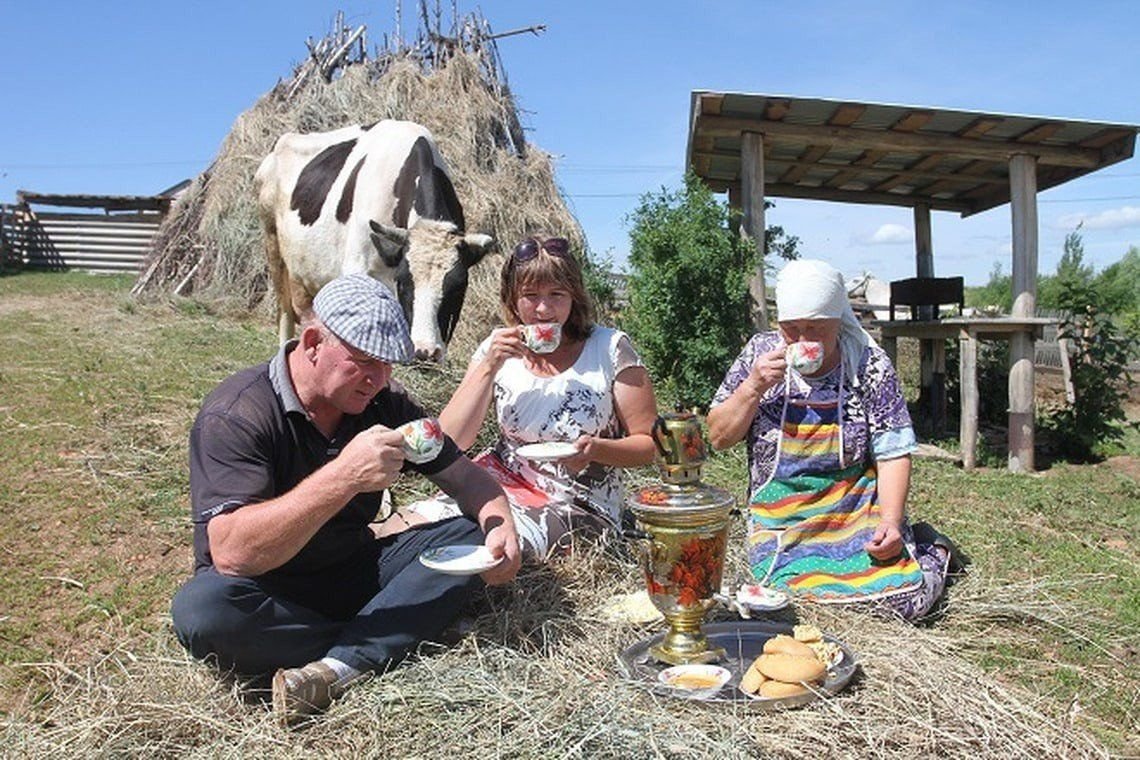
[{"x": 688, "y": 291}]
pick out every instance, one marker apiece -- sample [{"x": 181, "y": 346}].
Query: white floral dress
[{"x": 579, "y": 401}]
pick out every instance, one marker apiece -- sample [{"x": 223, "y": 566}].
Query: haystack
[{"x": 211, "y": 245}]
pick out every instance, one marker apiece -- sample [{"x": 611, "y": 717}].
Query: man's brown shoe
[{"x": 299, "y": 693}]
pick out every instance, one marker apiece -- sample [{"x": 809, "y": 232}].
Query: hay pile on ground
[
  {"x": 538, "y": 678},
  {"x": 211, "y": 245}
]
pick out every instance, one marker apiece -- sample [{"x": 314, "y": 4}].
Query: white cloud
[
  {"x": 887, "y": 234},
  {"x": 1113, "y": 219}
]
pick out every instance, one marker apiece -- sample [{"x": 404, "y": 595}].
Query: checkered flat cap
[{"x": 362, "y": 312}]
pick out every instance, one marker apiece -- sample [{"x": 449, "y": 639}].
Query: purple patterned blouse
[{"x": 876, "y": 423}]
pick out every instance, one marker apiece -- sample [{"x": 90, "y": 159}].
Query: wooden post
[
  {"x": 1023, "y": 196},
  {"x": 923, "y": 253},
  {"x": 938, "y": 386},
  {"x": 1067, "y": 369},
  {"x": 734, "y": 204},
  {"x": 931, "y": 397},
  {"x": 752, "y": 190},
  {"x": 891, "y": 347},
  {"x": 968, "y": 415}
]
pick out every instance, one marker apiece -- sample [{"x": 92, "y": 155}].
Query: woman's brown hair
[{"x": 545, "y": 268}]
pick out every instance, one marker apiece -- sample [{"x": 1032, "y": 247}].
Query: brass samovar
[{"x": 685, "y": 525}]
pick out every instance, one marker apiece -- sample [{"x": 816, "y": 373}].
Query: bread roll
[
  {"x": 752, "y": 680},
  {"x": 807, "y": 632},
  {"x": 778, "y": 689},
  {"x": 791, "y": 669},
  {"x": 782, "y": 644}
]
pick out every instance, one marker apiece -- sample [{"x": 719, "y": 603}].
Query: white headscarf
[{"x": 813, "y": 289}]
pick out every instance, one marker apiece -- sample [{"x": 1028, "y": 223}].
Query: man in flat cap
[{"x": 288, "y": 464}]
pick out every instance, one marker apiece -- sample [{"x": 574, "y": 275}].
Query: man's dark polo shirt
[{"x": 253, "y": 441}]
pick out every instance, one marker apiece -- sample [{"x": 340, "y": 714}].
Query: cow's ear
[
  {"x": 390, "y": 242},
  {"x": 476, "y": 246}
]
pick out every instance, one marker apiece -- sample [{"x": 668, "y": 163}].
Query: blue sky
[{"x": 131, "y": 97}]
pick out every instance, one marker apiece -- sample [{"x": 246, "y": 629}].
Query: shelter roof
[
  {"x": 891, "y": 154},
  {"x": 106, "y": 202}
]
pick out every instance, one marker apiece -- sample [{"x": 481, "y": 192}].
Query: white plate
[
  {"x": 547, "y": 451},
  {"x": 459, "y": 559},
  {"x": 757, "y": 598}
]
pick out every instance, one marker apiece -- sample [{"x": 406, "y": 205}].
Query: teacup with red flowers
[
  {"x": 805, "y": 357},
  {"x": 542, "y": 337},
  {"x": 423, "y": 439}
]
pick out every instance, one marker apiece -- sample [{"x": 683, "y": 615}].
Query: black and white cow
[{"x": 374, "y": 199}]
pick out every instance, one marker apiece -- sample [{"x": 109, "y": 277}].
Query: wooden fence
[{"x": 90, "y": 242}]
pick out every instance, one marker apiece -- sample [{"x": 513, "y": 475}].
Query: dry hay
[
  {"x": 538, "y": 678},
  {"x": 211, "y": 243}
]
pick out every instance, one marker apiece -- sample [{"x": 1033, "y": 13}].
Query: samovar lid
[{"x": 670, "y": 497}]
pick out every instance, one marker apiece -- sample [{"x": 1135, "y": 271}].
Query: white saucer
[
  {"x": 459, "y": 559},
  {"x": 547, "y": 451},
  {"x": 757, "y": 598}
]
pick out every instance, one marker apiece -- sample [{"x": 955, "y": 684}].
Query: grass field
[{"x": 1036, "y": 650}]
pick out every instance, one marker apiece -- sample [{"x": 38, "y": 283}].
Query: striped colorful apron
[{"x": 809, "y": 523}]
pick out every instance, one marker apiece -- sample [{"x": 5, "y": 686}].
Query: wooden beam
[
  {"x": 979, "y": 127},
  {"x": 846, "y": 114},
  {"x": 1106, "y": 136},
  {"x": 913, "y": 121},
  {"x": 711, "y": 103},
  {"x": 806, "y": 161},
  {"x": 867, "y": 139},
  {"x": 776, "y": 109},
  {"x": 1040, "y": 133},
  {"x": 781, "y": 190},
  {"x": 873, "y": 171},
  {"x": 867, "y": 159}
]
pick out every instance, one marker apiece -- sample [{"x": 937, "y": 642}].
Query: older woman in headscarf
[{"x": 829, "y": 446}]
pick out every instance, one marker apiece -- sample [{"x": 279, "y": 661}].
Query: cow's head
[{"x": 429, "y": 264}]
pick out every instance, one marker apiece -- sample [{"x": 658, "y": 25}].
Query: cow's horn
[
  {"x": 395, "y": 234},
  {"x": 479, "y": 241}
]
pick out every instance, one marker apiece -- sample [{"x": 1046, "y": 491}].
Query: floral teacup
[
  {"x": 423, "y": 438},
  {"x": 543, "y": 337},
  {"x": 805, "y": 357}
]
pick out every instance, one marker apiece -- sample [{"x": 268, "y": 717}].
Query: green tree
[
  {"x": 688, "y": 290},
  {"x": 1100, "y": 377},
  {"x": 996, "y": 293},
  {"x": 1119, "y": 284},
  {"x": 599, "y": 283},
  {"x": 1072, "y": 275}
]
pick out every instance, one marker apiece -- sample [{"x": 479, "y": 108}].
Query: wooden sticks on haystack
[{"x": 431, "y": 49}]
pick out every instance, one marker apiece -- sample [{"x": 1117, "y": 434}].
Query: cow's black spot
[
  {"x": 316, "y": 179},
  {"x": 344, "y": 208},
  {"x": 436, "y": 198},
  {"x": 425, "y": 187}
]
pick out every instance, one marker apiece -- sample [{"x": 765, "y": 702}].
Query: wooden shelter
[
  {"x": 752, "y": 146},
  {"x": 116, "y": 240}
]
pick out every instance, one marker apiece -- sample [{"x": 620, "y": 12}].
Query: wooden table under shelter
[
  {"x": 752, "y": 146},
  {"x": 968, "y": 331}
]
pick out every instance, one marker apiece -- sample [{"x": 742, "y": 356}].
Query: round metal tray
[{"x": 743, "y": 641}]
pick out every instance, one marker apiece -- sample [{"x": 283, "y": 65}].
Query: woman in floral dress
[{"x": 591, "y": 391}]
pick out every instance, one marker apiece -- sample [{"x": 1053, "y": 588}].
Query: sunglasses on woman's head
[{"x": 529, "y": 248}]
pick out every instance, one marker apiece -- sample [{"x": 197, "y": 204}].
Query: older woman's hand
[
  {"x": 887, "y": 541},
  {"x": 768, "y": 369}
]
